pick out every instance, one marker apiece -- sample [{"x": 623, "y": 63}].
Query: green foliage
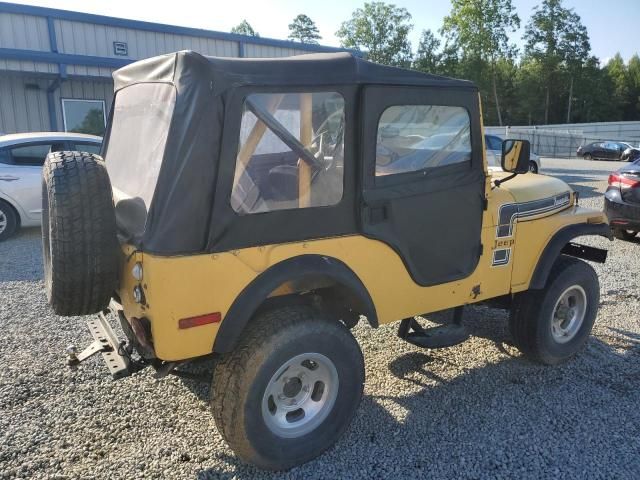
[
  {"x": 555, "y": 80},
  {"x": 381, "y": 30},
  {"x": 245, "y": 28},
  {"x": 427, "y": 58},
  {"x": 479, "y": 28},
  {"x": 304, "y": 30},
  {"x": 479, "y": 32},
  {"x": 92, "y": 123}
]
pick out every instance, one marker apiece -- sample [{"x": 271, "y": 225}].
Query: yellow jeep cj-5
[{"x": 256, "y": 210}]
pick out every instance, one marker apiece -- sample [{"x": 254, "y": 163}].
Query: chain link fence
[{"x": 557, "y": 142}]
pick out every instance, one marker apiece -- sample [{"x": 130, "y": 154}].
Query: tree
[
  {"x": 617, "y": 72},
  {"x": 381, "y": 30},
  {"x": 92, "y": 123},
  {"x": 479, "y": 29},
  {"x": 633, "y": 72},
  {"x": 304, "y": 30},
  {"x": 557, "y": 39},
  {"x": 427, "y": 57},
  {"x": 245, "y": 28}
]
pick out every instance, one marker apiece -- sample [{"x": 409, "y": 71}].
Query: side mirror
[{"x": 515, "y": 156}]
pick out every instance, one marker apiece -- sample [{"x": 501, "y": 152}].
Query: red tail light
[{"x": 621, "y": 181}]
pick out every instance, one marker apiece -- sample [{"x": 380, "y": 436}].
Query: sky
[{"x": 611, "y": 23}]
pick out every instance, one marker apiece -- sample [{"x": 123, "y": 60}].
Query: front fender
[{"x": 558, "y": 243}]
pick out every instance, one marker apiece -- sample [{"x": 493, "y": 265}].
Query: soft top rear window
[{"x": 135, "y": 148}]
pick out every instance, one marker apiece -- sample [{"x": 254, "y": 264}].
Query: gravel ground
[{"x": 477, "y": 410}]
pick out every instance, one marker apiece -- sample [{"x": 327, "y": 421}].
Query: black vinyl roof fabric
[
  {"x": 311, "y": 69},
  {"x": 204, "y": 96}
]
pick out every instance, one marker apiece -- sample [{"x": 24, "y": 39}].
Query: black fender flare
[
  {"x": 556, "y": 245},
  {"x": 292, "y": 269}
]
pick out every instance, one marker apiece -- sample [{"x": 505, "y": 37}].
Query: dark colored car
[
  {"x": 631, "y": 154},
  {"x": 622, "y": 201},
  {"x": 603, "y": 150}
]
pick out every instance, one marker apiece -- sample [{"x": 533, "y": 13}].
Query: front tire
[
  {"x": 551, "y": 325},
  {"x": 289, "y": 389},
  {"x": 8, "y": 220},
  {"x": 588, "y": 156}
]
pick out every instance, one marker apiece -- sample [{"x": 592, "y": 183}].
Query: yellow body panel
[{"x": 186, "y": 286}]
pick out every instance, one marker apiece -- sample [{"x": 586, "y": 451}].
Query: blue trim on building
[
  {"x": 51, "y": 27},
  {"x": 62, "y": 58},
  {"x": 161, "y": 28}
]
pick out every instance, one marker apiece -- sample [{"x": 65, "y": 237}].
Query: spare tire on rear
[{"x": 79, "y": 240}]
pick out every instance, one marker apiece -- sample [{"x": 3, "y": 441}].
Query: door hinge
[
  {"x": 485, "y": 203},
  {"x": 481, "y": 249}
]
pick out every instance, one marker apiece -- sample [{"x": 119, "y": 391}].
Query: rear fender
[{"x": 294, "y": 270}]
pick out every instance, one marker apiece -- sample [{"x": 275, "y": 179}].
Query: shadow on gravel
[
  {"x": 21, "y": 257},
  {"x": 466, "y": 426}
]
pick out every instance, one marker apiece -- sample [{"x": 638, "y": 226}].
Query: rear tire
[
  {"x": 588, "y": 156},
  {"x": 79, "y": 242},
  {"x": 551, "y": 325},
  {"x": 8, "y": 220},
  {"x": 533, "y": 167},
  {"x": 289, "y": 389},
  {"x": 622, "y": 234}
]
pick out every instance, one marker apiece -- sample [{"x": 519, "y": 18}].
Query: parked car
[
  {"x": 494, "y": 154},
  {"x": 631, "y": 154},
  {"x": 21, "y": 158},
  {"x": 622, "y": 201},
  {"x": 603, "y": 150}
]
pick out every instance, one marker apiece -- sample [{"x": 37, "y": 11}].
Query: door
[
  {"x": 423, "y": 178},
  {"x": 21, "y": 175}
]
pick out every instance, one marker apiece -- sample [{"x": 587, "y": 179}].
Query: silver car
[
  {"x": 21, "y": 159},
  {"x": 494, "y": 154}
]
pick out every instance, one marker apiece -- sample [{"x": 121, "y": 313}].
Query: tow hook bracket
[{"x": 105, "y": 342}]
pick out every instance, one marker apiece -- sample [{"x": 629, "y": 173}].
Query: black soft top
[
  {"x": 311, "y": 69},
  {"x": 171, "y": 168}
]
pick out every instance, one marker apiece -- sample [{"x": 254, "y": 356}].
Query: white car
[
  {"x": 494, "y": 154},
  {"x": 21, "y": 159}
]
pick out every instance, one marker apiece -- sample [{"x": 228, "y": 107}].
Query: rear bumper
[{"x": 619, "y": 212}]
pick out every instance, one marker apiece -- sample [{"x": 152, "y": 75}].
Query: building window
[
  {"x": 83, "y": 116},
  {"x": 120, "y": 48},
  {"x": 412, "y": 138},
  {"x": 291, "y": 152}
]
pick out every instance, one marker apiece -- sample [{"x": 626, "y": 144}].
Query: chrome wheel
[
  {"x": 3, "y": 221},
  {"x": 300, "y": 395},
  {"x": 568, "y": 314}
]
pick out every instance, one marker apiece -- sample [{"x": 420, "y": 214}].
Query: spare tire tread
[{"x": 82, "y": 271}]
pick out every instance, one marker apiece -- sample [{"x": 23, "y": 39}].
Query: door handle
[{"x": 8, "y": 178}]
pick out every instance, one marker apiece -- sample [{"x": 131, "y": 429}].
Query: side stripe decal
[{"x": 509, "y": 212}]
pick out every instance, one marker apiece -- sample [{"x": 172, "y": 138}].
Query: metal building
[{"x": 56, "y": 65}]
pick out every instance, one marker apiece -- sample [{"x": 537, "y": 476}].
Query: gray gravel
[{"x": 477, "y": 410}]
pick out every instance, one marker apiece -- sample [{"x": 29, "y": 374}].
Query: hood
[{"x": 529, "y": 187}]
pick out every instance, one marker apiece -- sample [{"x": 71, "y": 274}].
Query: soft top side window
[
  {"x": 411, "y": 138},
  {"x": 290, "y": 152}
]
